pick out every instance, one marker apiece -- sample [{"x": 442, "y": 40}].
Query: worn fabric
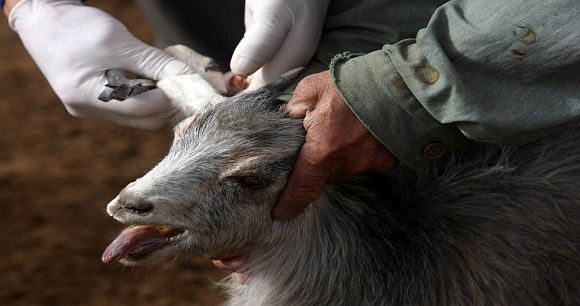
[
  {"x": 500, "y": 71},
  {"x": 363, "y": 26},
  {"x": 214, "y": 29}
]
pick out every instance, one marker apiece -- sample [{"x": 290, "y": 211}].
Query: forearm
[
  {"x": 505, "y": 73},
  {"x": 491, "y": 70},
  {"x": 380, "y": 98}
]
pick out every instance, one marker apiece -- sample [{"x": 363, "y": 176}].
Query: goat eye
[{"x": 253, "y": 182}]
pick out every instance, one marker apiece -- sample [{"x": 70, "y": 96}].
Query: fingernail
[
  {"x": 243, "y": 66},
  {"x": 239, "y": 278}
]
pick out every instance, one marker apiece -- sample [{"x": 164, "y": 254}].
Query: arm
[
  {"x": 74, "y": 45},
  {"x": 495, "y": 71}
]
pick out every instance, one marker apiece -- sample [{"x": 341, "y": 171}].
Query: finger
[
  {"x": 193, "y": 59},
  {"x": 147, "y": 104},
  {"x": 304, "y": 186},
  {"x": 231, "y": 264},
  {"x": 236, "y": 83},
  {"x": 264, "y": 36},
  {"x": 148, "y": 123},
  {"x": 219, "y": 264},
  {"x": 304, "y": 99},
  {"x": 239, "y": 278},
  {"x": 296, "y": 51},
  {"x": 148, "y": 110},
  {"x": 257, "y": 80},
  {"x": 153, "y": 63}
]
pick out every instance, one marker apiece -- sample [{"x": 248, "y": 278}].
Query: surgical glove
[
  {"x": 280, "y": 35},
  {"x": 74, "y": 45}
]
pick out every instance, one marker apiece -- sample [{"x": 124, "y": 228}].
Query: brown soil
[{"x": 57, "y": 173}]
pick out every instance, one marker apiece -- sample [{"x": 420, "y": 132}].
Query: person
[
  {"x": 74, "y": 45},
  {"x": 423, "y": 77},
  {"x": 490, "y": 71},
  {"x": 409, "y": 102}
]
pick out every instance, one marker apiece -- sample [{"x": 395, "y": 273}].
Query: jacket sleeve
[{"x": 500, "y": 71}]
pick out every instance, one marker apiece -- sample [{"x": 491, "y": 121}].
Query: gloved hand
[
  {"x": 74, "y": 45},
  {"x": 280, "y": 35}
]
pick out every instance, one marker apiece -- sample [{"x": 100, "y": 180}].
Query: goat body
[{"x": 486, "y": 225}]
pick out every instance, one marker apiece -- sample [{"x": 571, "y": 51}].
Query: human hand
[
  {"x": 337, "y": 146},
  {"x": 280, "y": 35},
  {"x": 74, "y": 45},
  {"x": 232, "y": 261}
]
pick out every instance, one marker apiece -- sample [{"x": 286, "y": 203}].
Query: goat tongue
[{"x": 139, "y": 240}]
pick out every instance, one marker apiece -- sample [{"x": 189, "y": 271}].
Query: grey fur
[{"x": 486, "y": 225}]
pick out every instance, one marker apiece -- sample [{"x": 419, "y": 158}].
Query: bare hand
[
  {"x": 337, "y": 146},
  {"x": 232, "y": 261}
]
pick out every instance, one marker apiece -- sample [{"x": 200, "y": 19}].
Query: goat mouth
[{"x": 139, "y": 241}]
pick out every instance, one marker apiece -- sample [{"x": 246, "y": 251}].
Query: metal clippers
[{"x": 120, "y": 88}]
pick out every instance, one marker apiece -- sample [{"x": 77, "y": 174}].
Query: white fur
[{"x": 190, "y": 93}]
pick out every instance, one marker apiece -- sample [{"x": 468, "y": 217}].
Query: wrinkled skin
[{"x": 338, "y": 146}]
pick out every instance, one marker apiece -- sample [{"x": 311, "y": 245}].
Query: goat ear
[
  {"x": 278, "y": 86},
  {"x": 269, "y": 95},
  {"x": 189, "y": 94}
]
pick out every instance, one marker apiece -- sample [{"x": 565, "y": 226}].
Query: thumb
[
  {"x": 304, "y": 186},
  {"x": 262, "y": 40},
  {"x": 153, "y": 63}
]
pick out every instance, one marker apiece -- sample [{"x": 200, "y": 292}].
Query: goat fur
[{"x": 485, "y": 225}]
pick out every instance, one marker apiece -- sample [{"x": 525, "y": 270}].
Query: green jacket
[{"x": 500, "y": 71}]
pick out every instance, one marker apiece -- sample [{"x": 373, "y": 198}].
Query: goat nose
[{"x": 133, "y": 201}]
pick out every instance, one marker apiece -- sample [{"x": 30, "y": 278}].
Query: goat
[{"x": 485, "y": 225}]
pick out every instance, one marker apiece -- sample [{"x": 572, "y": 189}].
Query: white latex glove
[
  {"x": 74, "y": 45},
  {"x": 280, "y": 35}
]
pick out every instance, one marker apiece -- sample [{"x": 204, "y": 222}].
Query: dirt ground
[{"x": 57, "y": 173}]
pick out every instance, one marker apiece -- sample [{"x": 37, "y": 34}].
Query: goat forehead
[
  {"x": 237, "y": 135},
  {"x": 226, "y": 149},
  {"x": 233, "y": 128},
  {"x": 231, "y": 114}
]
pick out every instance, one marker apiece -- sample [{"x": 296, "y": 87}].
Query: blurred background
[{"x": 57, "y": 173}]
